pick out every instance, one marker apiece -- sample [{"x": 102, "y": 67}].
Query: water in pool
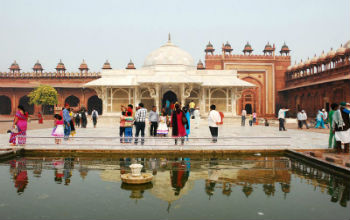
[{"x": 249, "y": 187}]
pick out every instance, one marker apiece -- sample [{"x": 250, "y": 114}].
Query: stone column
[
  {"x": 136, "y": 97},
  {"x": 202, "y": 100},
  {"x": 157, "y": 97},
  {"x": 182, "y": 94},
  {"x": 233, "y": 103}
]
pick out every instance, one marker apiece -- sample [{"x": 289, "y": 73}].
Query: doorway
[
  {"x": 248, "y": 108},
  {"x": 169, "y": 95}
]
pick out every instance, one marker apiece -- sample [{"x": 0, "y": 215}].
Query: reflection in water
[
  {"x": 179, "y": 173},
  {"x": 172, "y": 179},
  {"x": 136, "y": 190},
  {"x": 19, "y": 174}
]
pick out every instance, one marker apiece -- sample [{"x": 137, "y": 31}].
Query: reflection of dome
[{"x": 169, "y": 54}]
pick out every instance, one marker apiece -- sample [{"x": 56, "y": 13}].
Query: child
[
  {"x": 251, "y": 120},
  {"x": 129, "y": 121},
  {"x": 58, "y": 130},
  {"x": 122, "y": 124},
  {"x": 163, "y": 127},
  {"x": 266, "y": 122}
]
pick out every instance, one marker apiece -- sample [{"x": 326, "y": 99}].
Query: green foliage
[{"x": 43, "y": 95}]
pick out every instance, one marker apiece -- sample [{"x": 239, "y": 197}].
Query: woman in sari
[
  {"x": 178, "y": 122},
  {"x": 20, "y": 122}
]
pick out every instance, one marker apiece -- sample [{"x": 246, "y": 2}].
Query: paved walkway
[{"x": 233, "y": 137}]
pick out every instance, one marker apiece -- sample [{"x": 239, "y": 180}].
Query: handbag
[
  {"x": 15, "y": 129},
  {"x": 184, "y": 119}
]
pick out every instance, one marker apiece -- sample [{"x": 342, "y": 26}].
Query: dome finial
[{"x": 169, "y": 38}]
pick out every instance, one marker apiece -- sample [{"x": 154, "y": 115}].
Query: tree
[{"x": 43, "y": 95}]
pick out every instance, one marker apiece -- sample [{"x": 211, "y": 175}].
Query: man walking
[
  {"x": 331, "y": 141},
  {"x": 94, "y": 116},
  {"x": 325, "y": 117},
  {"x": 214, "y": 120},
  {"x": 304, "y": 119},
  {"x": 244, "y": 115},
  {"x": 153, "y": 118},
  {"x": 66, "y": 120},
  {"x": 140, "y": 123},
  {"x": 281, "y": 118},
  {"x": 299, "y": 118},
  {"x": 341, "y": 127}
]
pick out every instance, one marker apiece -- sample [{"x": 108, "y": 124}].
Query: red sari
[
  {"x": 40, "y": 118},
  {"x": 178, "y": 126}
]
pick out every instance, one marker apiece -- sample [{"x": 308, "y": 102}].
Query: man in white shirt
[
  {"x": 303, "y": 119},
  {"x": 197, "y": 117},
  {"x": 300, "y": 119},
  {"x": 244, "y": 114},
  {"x": 281, "y": 117},
  {"x": 214, "y": 120}
]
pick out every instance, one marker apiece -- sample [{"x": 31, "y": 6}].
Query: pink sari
[{"x": 22, "y": 129}]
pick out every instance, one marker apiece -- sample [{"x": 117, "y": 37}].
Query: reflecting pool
[{"x": 245, "y": 187}]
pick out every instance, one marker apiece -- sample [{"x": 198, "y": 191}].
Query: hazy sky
[{"x": 97, "y": 30}]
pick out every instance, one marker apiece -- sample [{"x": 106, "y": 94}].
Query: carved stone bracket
[
  {"x": 152, "y": 92},
  {"x": 99, "y": 92},
  {"x": 187, "y": 91}
]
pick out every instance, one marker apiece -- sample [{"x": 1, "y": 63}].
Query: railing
[
  {"x": 303, "y": 76},
  {"x": 98, "y": 142},
  {"x": 52, "y": 75}
]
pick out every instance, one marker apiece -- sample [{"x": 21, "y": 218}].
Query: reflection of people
[
  {"x": 58, "y": 166},
  {"x": 179, "y": 176},
  {"x": 67, "y": 172},
  {"x": 20, "y": 175},
  {"x": 19, "y": 127}
]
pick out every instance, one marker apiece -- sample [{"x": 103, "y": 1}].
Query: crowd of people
[
  {"x": 172, "y": 118},
  {"x": 175, "y": 120}
]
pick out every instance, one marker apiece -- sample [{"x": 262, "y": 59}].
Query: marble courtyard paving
[{"x": 233, "y": 137}]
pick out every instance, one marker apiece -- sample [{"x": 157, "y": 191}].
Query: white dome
[
  {"x": 169, "y": 54},
  {"x": 347, "y": 44}
]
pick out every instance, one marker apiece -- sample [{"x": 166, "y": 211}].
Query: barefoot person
[
  {"x": 214, "y": 120},
  {"x": 58, "y": 131},
  {"x": 66, "y": 120},
  {"x": 178, "y": 122},
  {"x": 94, "y": 117},
  {"x": 341, "y": 127},
  {"x": 19, "y": 127}
]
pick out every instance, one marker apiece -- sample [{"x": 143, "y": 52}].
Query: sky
[{"x": 96, "y": 30}]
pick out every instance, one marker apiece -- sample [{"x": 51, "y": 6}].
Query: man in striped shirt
[{"x": 140, "y": 123}]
